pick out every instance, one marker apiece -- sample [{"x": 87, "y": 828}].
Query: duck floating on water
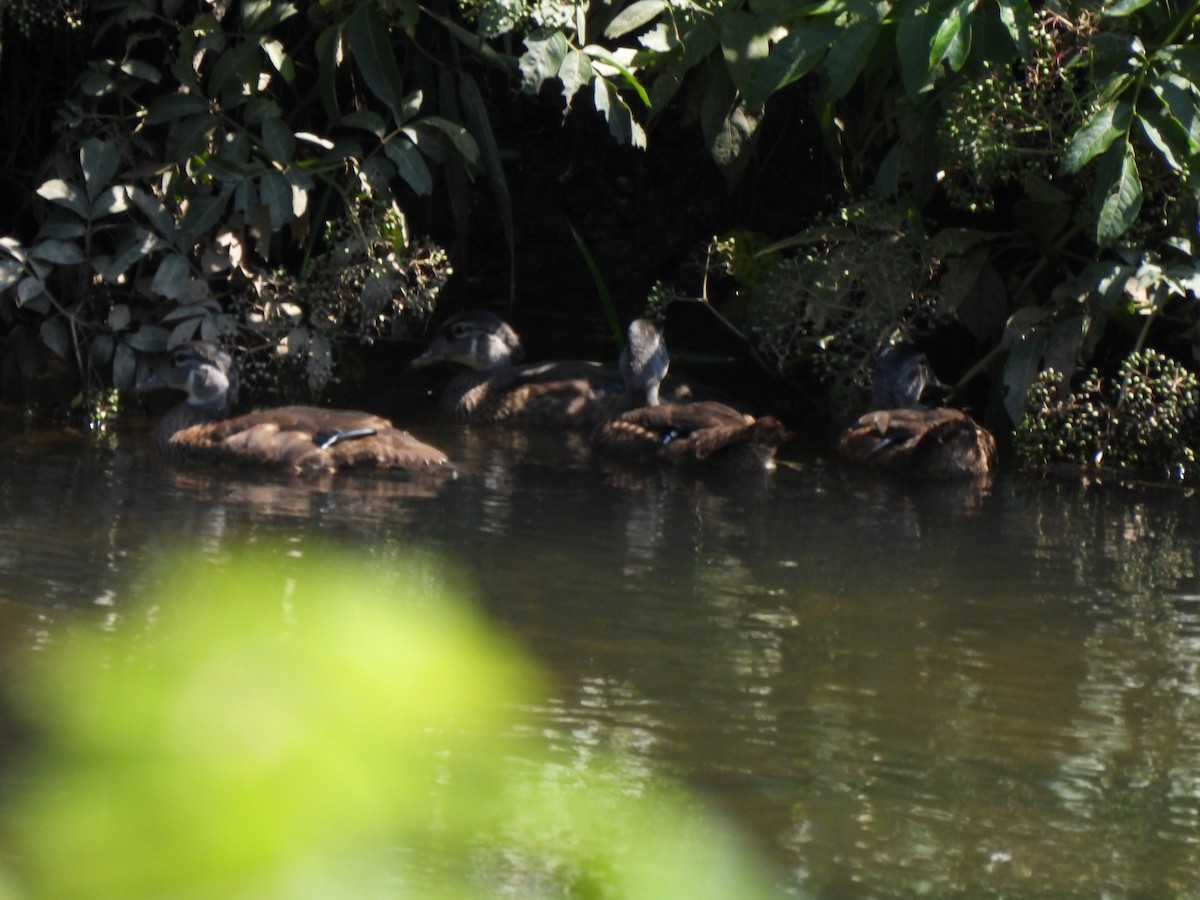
[
  {"x": 641, "y": 428},
  {"x": 296, "y": 438},
  {"x": 497, "y": 389},
  {"x": 901, "y": 434}
]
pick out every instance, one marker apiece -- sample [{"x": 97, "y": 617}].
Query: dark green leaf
[
  {"x": 189, "y": 137},
  {"x": 30, "y": 289},
  {"x": 1165, "y": 139},
  {"x": 100, "y": 350},
  {"x": 1122, "y": 8},
  {"x": 949, "y": 30},
  {"x": 912, "y": 52},
  {"x": 276, "y": 195},
  {"x": 96, "y": 84},
  {"x": 409, "y": 164},
  {"x": 169, "y": 107},
  {"x": 461, "y": 139},
  {"x": 368, "y": 40},
  {"x": 130, "y": 251},
  {"x": 99, "y": 160},
  {"x": 172, "y": 277},
  {"x": 56, "y": 335},
  {"x": 204, "y": 211},
  {"x": 1180, "y": 101},
  {"x": 744, "y": 46},
  {"x": 477, "y": 118},
  {"x": 124, "y": 367},
  {"x": 263, "y": 15},
  {"x": 279, "y": 141},
  {"x": 1096, "y": 135},
  {"x": 366, "y": 119},
  {"x": 634, "y": 16},
  {"x": 237, "y": 69},
  {"x": 789, "y": 61},
  {"x": 183, "y": 331},
  {"x": 141, "y": 70},
  {"x": 147, "y": 339},
  {"x": 849, "y": 53},
  {"x": 329, "y": 47},
  {"x": 60, "y": 252},
  {"x": 152, "y": 208},
  {"x": 1017, "y": 16},
  {"x": 119, "y": 317},
  {"x": 1119, "y": 190}
]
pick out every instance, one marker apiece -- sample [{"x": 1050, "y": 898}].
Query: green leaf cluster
[{"x": 1144, "y": 422}]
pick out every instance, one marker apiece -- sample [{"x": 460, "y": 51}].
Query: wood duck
[
  {"x": 573, "y": 394},
  {"x": 296, "y": 438},
  {"x": 901, "y": 434},
  {"x": 643, "y": 429}
]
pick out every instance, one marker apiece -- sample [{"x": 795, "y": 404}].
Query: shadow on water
[{"x": 988, "y": 690}]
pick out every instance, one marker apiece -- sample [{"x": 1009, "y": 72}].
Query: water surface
[{"x": 892, "y": 688}]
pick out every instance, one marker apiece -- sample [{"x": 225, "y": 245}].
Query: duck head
[
  {"x": 476, "y": 339},
  {"x": 902, "y": 378},
  {"x": 644, "y": 360},
  {"x": 201, "y": 370}
]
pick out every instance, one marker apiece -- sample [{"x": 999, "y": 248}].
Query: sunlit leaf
[
  {"x": 64, "y": 193},
  {"x": 542, "y": 59},
  {"x": 111, "y": 200},
  {"x": 634, "y": 16},
  {"x": 140, "y": 69},
  {"x": 99, "y": 160},
  {"x": 602, "y": 57},
  {"x": 574, "y": 73},
  {"x": 1160, "y": 138},
  {"x": 279, "y": 58},
  {"x": 1182, "y": 106},
  {"x": 624, "y": 128}
]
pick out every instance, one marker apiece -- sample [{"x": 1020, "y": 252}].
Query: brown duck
[
  {"x": 295, "y": 438},
  {"x": 496, "y": 389},
  {"x": 641, "y": 428},
  {"x": 902, "y": 435}
]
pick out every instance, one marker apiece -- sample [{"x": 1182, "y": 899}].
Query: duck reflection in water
[
  {"x": 641, "y": 428},
  {"x": 902, "y": 435},
  {"x": 298, "y": 439}
]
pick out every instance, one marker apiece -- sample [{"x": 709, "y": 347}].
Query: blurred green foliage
[{"x": 322, "y": 725}]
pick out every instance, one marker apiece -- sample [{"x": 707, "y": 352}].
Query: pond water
[{"x": 893, "y": 689}]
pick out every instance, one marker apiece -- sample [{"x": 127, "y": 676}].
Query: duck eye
[
  {"x": 179, "y": 358},
  {"x": 459, "y": 330}
]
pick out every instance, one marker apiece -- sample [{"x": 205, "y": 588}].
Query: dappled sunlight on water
[{"x": 894, "y": 688}]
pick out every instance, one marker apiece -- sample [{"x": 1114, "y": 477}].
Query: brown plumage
[
  {"x": 495, "y": 389},
  {"x": 902, "y": 435},
  {"x": 295, "y": 438},
  {"x": 707, "y": 433}
]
